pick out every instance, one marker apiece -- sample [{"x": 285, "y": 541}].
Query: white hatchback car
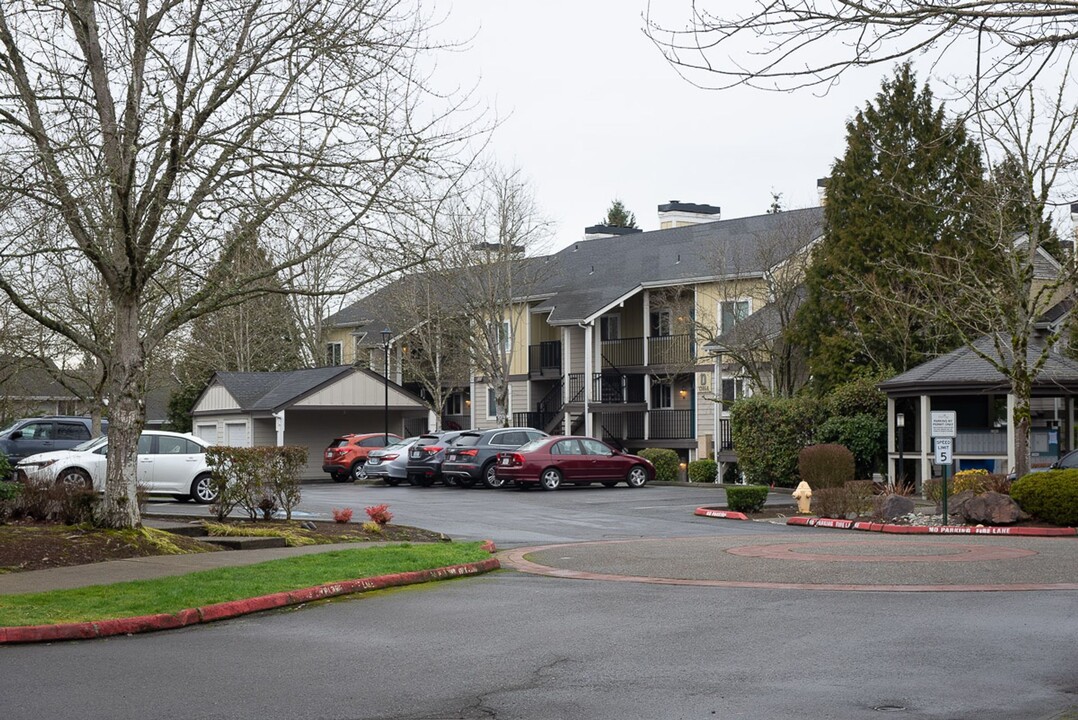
[{"x": 169, "y": 463}]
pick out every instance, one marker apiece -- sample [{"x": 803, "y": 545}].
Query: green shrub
[
  {"x": 1051, "y": 495},
  {"x": 9, "y": 496},
  {"x": 260, "y": 480},
  {"x": 768, "y": 433},
  {"x": 823, "y": 466},
  {"x": 975, "y": 480},
  {"x": 864, "y": 435},
  {"x": 666, "y": 463},
  {"x": 850, "y": 500},
  {"x": 746, "y": 498},
  {"x": 858, "y": 397},
  {"x": 703, "y": 470}
]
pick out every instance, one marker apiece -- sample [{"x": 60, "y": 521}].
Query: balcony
[
  {"x": 659, "y": 425},
  {"x": 544, "y": 359},
  {"x": 614, "y": 388},
  {"x": 671, "y": 350},
  {"x": 623, "y": 352},
  {"x": 670, "y": 425}
]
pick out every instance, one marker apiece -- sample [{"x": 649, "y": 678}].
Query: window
[
  {"x": 610, "y": 327},
  {"x": 594, "y": 447},
  {"x": 507, "y": 336},
  {"x": 662, "y": 396},
  {"x": 168, "y": 445},
  {"x": 492, "y": 404},
  {"x": 333, "y": 353},
  {"x": 733, "y": 389},
  {"x": 454, "y": 404},
  {"x": 566, "y": 447},
  {"x": 72, "y": 431},
  {"x": 732, "y": 312},
  {"x": 37, "y": 431},
  {"x": 145, "y": 444},
  {"x": 512, "y": 439},
  {"x": 662, "y": 323}
]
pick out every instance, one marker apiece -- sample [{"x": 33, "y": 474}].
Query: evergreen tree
[
  {"x": 902, "y": 191},
  {"x": 254, "y": 336},
  {"x": 618, "y": 216}
]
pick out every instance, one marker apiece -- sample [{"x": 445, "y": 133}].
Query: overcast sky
[{"x": 592, "y": 111}]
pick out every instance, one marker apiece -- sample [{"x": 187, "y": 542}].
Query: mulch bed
[{"x": 28, "y": 545}]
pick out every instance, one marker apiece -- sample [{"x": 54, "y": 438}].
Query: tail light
[
  {"x": 516, "y": 459},
  {"x": 432, "y": 449},
  {"x": 471, "y": 452},
  {"x": 392, "y": 456}
]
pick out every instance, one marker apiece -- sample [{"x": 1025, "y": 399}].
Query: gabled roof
[
  {"x": 965, "y": 371},
  {"x": 269, "y": 391},
  {"x": 588, "y": 276}
]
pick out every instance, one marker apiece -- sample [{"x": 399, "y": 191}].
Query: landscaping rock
[
  {"x": 957, "y": 502},
  {"x": 890, "y": 507},
  {"x": 992, "y": 508}
]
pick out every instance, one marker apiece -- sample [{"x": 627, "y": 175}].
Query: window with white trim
[
  {"x": 334, "y": 353},
  {"x": 662, "y": 396},
  {"x": 731, "y": 312},
  {"x": 733, "y": 389},
  {"x": 662, "y": 323},
  {"x": 610, "y": 327}
]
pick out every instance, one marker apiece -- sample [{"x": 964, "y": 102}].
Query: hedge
[
  {"x": 703, "y": 470},
  {"x": 825, "y": 466},
  {"x": 768, "y": 433},
  {"x": 260, "y": 480},
  {"x": 1051, "y": 496},
  {"x": 747, "y": 499},
  {"x": 666, "y": 463}
]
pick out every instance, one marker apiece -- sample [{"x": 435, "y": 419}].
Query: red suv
[{"x": 344, "y": 457}]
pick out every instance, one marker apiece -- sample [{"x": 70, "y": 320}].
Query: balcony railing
[
  {"x": 456, "y": 422},
  {"x": 535, "y": 419},
  {"x": 671, "y": 350},
  {"x": 575, "y": 384},
  {"x": 670, "y": 425},
  {"x": 626, "y": 425},
  {"x": 613, "y": 387},
  {"x": 544, "y": 359},
  {"x": 726, "y": 437},
  {"x": 623, "y": 352}
]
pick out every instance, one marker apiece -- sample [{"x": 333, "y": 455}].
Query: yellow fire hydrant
[{"x": 803, "y": 495}]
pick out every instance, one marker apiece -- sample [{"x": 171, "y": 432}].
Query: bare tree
[
  {"x": 488, "y": 233},
  {"x": 769, "y": 271},
  {"x": 787, "y": 44},
  {"x": 153, "y": 138}
]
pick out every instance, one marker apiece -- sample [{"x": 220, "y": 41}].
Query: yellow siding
[
  {"x": 518, "y": 318},
  {"x": 709, "y": 295}
]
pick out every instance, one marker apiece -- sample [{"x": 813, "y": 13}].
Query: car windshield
[
  {"x": 10, "y": 427},
  {"x": 401, "y": 443},
  {"x": 466, "y": 441},
  {"x": 91, "y": 445},
  {"x": 528, "y": 446}
]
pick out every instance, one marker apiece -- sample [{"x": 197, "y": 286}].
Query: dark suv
[
  {"x": 31, "y": 436},
  {"x": 426, "y": 456},
  {"x": 470, "y": 459}
]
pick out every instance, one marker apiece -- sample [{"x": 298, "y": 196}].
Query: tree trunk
[
  {"x": 1022, "y": 389},
  {"x": 119, "y": 508}
]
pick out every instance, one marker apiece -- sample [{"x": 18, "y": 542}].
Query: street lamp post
[
  {"x": 386, "y": 335},
  {"x": 900, "y": 424}
]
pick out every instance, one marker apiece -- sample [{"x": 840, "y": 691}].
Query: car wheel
[
  {"x": 637, "y": 477},
  {"x": 358, "y": 472},
  {"x": 550, "y": 479},
  {"x": 491, "y": 479},
  {"x": 75, "y": 479},
  {"x": 391, "y": 482},
  {"x": 448, "y": 481},
  {"x": 423, "y": 481},
  {"x": 202, "y": 490},
  {"x": 610, "y": 483}
]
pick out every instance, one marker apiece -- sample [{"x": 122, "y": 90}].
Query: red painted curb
[
  {"x": 489, "y": 546},
  {"x": 931, "y": 529},
  {"x": 720, "y": 513},
  {"x": 234, "y": 608}
]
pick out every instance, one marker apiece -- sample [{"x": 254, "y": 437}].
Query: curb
[
  {"x": 930, "y": 529},
  {"x": 235, "y": 608},
  {"x": 720, "y": 513}
]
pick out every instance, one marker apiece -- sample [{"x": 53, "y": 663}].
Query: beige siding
[
  {"x": 216, "y": 398},
  {"x": 264, "y": 431},
  {"x": 518, "y": 317},
  {"x": 518, "y": 398},
  {"x": 632, "y": 317},
  {"x": 575, "y": 363},
  {"x": 357, "y": 390},
  {"x": 541, "y": 330}
]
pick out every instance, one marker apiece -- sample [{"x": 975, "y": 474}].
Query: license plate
[
  {"x": 505, "y": 461},
  {"x": 373, "y": 461},
  {"x": 415, "y": 454}
]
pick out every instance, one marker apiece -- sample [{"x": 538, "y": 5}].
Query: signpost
[{"x": 944, "y": 430}]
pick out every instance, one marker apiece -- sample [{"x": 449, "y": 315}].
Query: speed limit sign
[{"x": 944, "y": 450}]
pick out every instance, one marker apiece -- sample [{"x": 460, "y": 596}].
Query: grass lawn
[{"x": 172, "y": 594}]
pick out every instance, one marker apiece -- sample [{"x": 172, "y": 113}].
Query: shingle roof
[
  {"x": 262, "y": 391},
  {"x": 965, "y": 370}
]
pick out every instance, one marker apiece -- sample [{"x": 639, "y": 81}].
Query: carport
[{"x": 301, "y": 407}]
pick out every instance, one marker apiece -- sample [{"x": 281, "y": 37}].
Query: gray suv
[{"x": 30, "y": 436}]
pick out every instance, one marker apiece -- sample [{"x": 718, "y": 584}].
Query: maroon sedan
[{"x": 552, "y": 461}]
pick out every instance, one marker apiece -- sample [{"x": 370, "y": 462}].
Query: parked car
[
  {"x": 391, "y": 462},
  {"x": 31, "y": 436},
  {"x": 345, "y": 456},
  {"x": 168, "y": 464},
  {"x": 552, "y": 461},
  {"x": 471, "y": 457},
  {"x": 426, "y": 456}
]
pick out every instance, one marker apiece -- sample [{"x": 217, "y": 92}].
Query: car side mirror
[{"x": 16, "y": 435}]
